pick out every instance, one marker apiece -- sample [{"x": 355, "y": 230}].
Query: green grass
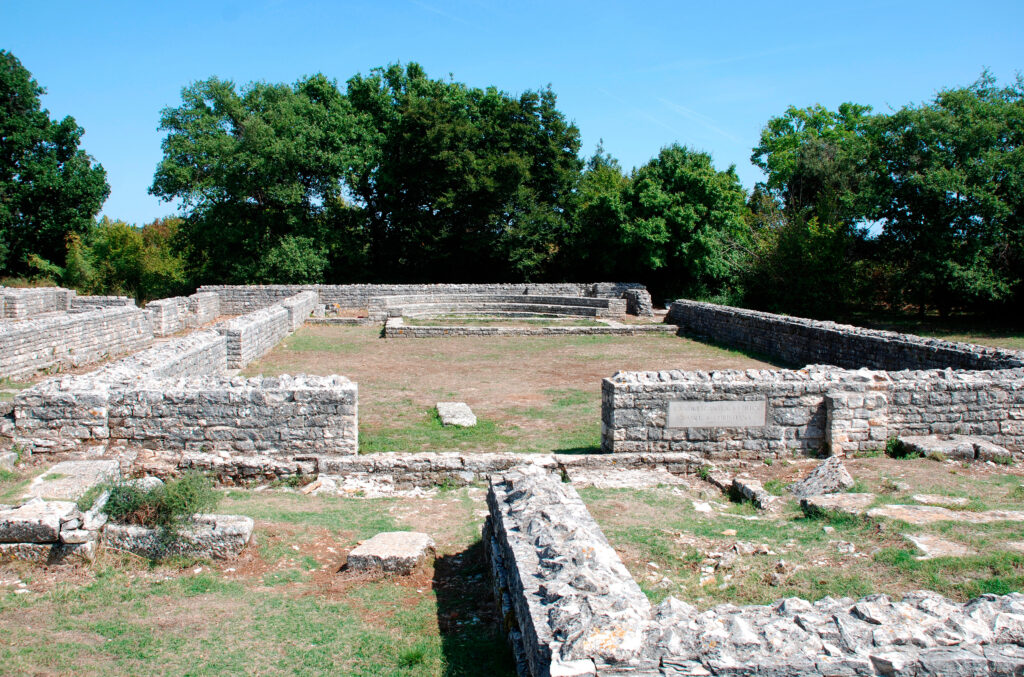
[
  {"x": 307, "y": 342},
  {"x": 430, "y": 434},
  {"x": 130, "y": 618}
]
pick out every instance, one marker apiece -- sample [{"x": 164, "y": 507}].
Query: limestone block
[
  {"x": 37, "y": 521},
  {"x": 456, "y": 413},
  {"x": 392, "y": 552},
  {"x": 205, "y": 537}
]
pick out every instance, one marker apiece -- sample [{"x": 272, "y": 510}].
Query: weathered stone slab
[
  {"x": 456, "y": 413},
  {"x": 48, "y": 553},
  {"x": 69, "y": 480},
  {"x": 850, "y": 504},
  {"x": 929, "y": 514},
  {"x": 933, "y": 546},
  {"x": 828, "y": 478},
  {"x": 7, "y": 460},
  {"x": 716, "y": 414},
  {"x": 944, "y": 501},
  {"x": 35, "y": 522},
  {"x": 753, "y": 491},
  {"x": 392, "y": 551},
  {"x": 960, "y": 447},
  {"x": 206, "y": 537}
]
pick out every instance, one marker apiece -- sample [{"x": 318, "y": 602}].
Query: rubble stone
[
  {"x": 830, "y": 477},
  {"x": 456, "y": 414}
]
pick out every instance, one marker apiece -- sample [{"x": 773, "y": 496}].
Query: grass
[
  {"x": 531, "y": 394},
  {"x": 660, "y": 525},
  {"x": 9, "y": 388},
  {"x": 292, "y": 616}
]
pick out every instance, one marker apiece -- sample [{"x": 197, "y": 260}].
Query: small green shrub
[
  {"x": 768, "y": 461},
  {"x": 704, "y": 472},
  {"x": 1003, "y": 460},
  {"x": 775, "y": 487},
  {"x": 165, "y": 506},
  {"x": 894, "y": 448}
]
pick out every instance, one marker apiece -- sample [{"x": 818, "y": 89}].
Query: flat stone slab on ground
[
  {"x": 206, "y": 537},
  {"x": 392, "y": 551},
  {"x": 69, "y": 480},
  {"x": 35, "y": 522},
  {"x": 929, "y": 514},
  {"x": 456, "y": 413},
  {"x": 850, "y": 504},
  {"x": 753, "y": 491},
  {"x": 944, "y": 501},
  {"x": 624, "y": 478},
  {"x": 960, "y": 447},
  {"x": 933, "y": 546}
]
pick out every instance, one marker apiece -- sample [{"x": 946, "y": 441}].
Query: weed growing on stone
[{"x": 165, "y": 507}]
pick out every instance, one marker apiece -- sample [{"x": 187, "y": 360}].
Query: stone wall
[
  {"x": 397, "y": 328},
  {"x": 172, "y": 315},
  {"x": 66, "y": 340},
  {"x": 299, "y": 308},
  {"x": 281, "y": 415},
  {"x": 23, "y": 302},
  {"x": 61, "y": 413},
  {"x": 798, "y": 341},
  {"x": 238, "y": 299},
  {"x": 570, "y": 607},
  {"x": 81, "y": 304},
  {"x": 762, "y": 413},
  {"x": 254, "y": 334}
]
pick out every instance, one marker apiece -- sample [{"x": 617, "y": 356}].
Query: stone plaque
[{"x": 719, "y": 414}]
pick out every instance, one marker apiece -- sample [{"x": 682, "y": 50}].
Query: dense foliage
[
  {"x": 396, "y": 176},
  {"x": 49, "y": 188}
]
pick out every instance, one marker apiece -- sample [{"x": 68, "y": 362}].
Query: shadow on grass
[
  {"x": 579, "y": 451},
  {"x": 467, "y": 616}
]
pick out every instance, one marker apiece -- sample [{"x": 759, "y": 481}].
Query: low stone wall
[
  {"x": 299, "y": 308},
  {"x": 571, "y": 608},
  {"x": 239, "y": 299},
  {"x": 638, "y": 302},
  {"x": 71, "y": 340},
  {"x": 81, "y": 304},
  {"x": 799, "y": 341},
  {"x": 397, "y": 328},
  {"x": 61, "y": 413},
  {"x": 254, "y": 334},
  {"x": 276, "y": 416},
  {"x": 23, "y": 302},
  {"x": 762, "y": 413},
  {"x": 178, "y": 313}
]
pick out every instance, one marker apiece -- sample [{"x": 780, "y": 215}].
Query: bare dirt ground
[{"x": 531, "y": 393}]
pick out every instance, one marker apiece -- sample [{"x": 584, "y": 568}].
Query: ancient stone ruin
[{"x": 165, "y": 396}]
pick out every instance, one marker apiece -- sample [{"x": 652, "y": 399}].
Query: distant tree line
[{"x": 399, "y": 177}]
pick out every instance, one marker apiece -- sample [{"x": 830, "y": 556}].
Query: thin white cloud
[
  {"x": 700, "y": 119},
  {"x": 440, "y": 12},
  {"x": 692, "y": 64}
]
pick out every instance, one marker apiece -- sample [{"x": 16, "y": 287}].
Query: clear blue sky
[{"x": 639, "y": 75}]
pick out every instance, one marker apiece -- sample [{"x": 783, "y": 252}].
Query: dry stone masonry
[
  {"x": 254, "y": 334},
  {"x": 570, "y": 608},
  {"x": 765, "y": 413},
  {"x": 799, "y": 341},
  {"x": 238, "y": 299},
  {"x": 172, "y": 315},
  {"x": 66, "y": 340}
]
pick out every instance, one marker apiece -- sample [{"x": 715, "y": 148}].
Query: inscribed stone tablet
[{"x": 720, "y": 414}]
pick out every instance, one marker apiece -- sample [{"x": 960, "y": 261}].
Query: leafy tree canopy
[{"x": 49, "y": 188}]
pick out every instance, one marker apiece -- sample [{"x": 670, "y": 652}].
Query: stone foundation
[
  {"x": 571, "y": 608},
  {"x": 238, "y": 299},
  {"x": 254, "y": 334},
  {"x": 799, "y": 341},
  {"x": 67, "y": 340},
  {"x": 806, "y": 411},
  {"x": 172, "y": 315}
]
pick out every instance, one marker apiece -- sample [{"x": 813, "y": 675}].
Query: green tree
[
  {"x": 950, "y": 184},
  {"x": 686, "y": 224},
  {"x": 49, "y": 188},
  {"x": 251, "y": 168},
  {"x": 816, "y": 162},
  {"x": 598, "y": 224},
  {"x": 462, "y": 183}
]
